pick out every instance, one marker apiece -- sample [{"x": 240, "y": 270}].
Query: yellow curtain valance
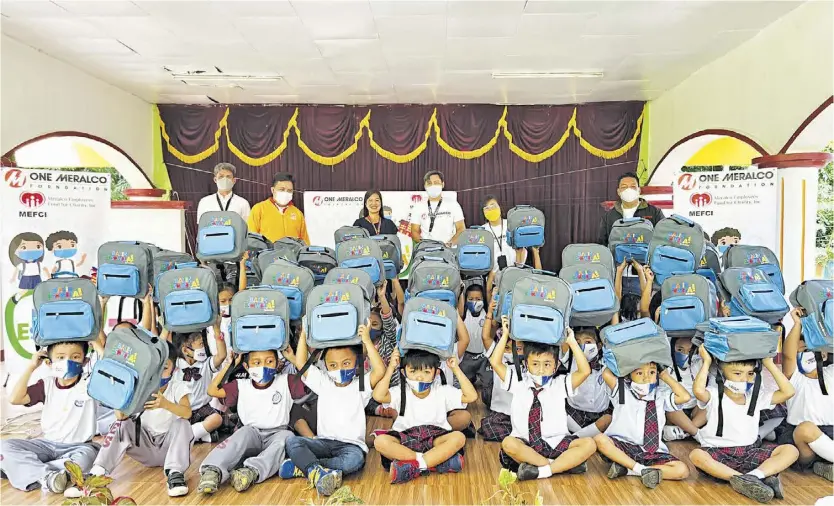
[{"x": 432, "y": 127}]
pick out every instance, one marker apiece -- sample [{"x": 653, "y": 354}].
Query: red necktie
[
  {"x": 651, "y": 437},
  {"x": 534, "y": 420}
]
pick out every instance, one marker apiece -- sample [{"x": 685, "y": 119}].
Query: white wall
[
  {"x": 764, "y": 88},
  {"x": 40, "y": 94}
]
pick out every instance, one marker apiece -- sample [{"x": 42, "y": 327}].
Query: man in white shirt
[
  {"x": 224, "y": 199},
  {"x": 435, "y": 218}
]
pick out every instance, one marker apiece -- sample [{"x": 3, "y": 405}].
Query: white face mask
[
  {"x": 806, "y": 361},
  {"x": 538, "y": 380},
  {"x": 418, "y": 386},
  {"x": 590, "y": 350},
  {"x": 508, "y": 358},
  {"x": 282, "y": 197},
  {"x": 224, "y": 184},
  {"x": 642, "y": 389},
  {"x": 224, "y": 311},
  {"x": 737, "y": 387},
  {"x": 629, "y": 195},
  {"x": 434, "y": 190},
  {"x": 200, "y": 355}
]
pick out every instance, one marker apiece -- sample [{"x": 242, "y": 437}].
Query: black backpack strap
[
  {"x": 312, "y": 359},
  {"x": 719, "y": 383},
  {"x": 621, "y": 388},
  {"x": 360, "y": 362},
  {"x": 402, "y": 391},
  {"x": 818, "y": 357},
  {"x": 137, "y": 423},
  {"x": 674, "y": 363},
  {"x": 516, "y": 361},
  {"x": 757, "y": 386},
  {"x": 119, "y": 314}
]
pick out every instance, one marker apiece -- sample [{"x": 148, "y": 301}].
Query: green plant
[
  {"x": 94, "y": 488},
  {"x": 118, "y": 184},
  {"x": 509, "y": 493},
  {"x": 825, "y": 203}
]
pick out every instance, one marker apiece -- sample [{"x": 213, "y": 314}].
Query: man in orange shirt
[{"x": 277, "y": 217}]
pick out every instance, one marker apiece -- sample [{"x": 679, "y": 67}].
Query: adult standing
[
  {"x": 372, "y": 216},
  {"x": 224, "y": 199},
  {"x": 435, "y": 219},
  {"x": 277, "y": 217},
  {"x": 628, "y": 205}
]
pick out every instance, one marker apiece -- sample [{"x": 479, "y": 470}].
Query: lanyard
[
  {"x": 432, "y": 215},
  {"x": 376, "y": 227},
  {"x": 228, "y": 202},
  {"x": 499, "y": 241}
]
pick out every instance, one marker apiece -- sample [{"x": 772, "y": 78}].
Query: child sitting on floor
[
  {"x": 496, "y": 425},
  {"x": 688, "y": 418},
  {"x": 589, "y": 409},
  {"x": 738, "y": 456},
  {"x": 421, "y": 439},
  {"x": 632, "y": 441},
  {"x": 810, "y": 411},
  {"x": 339, "y": 446},
  {"x": 540, "y": 445}
]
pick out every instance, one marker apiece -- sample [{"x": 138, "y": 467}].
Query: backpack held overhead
[
  {"x": 505, "y": 280},
  {"x": 348, "y": 233},
  {"x": 165, "y": 260},
  {"x": 589, "y": 268},
  {"x": 334, "y": 314},
  {"x": 66, "y": 309},
  {"x": 688, "y": 299},
  {"x": 429, "y": 325},
  {"x": 188, "y": 298},
  {"x": 816, "y": 297},
  {"x": 710, "y": 265},
  {"x": 677, "y": 247},
  {"x": 125, "y": 268},
  {"x": 343, "y": 275},
  {"x": 541, "y": 310},
  {"x": 129, "y": 372},
  {"x": 750, "y": 292},
  {"x": 760, "y": 257},
  {"x": 474, "y": 249},
  {"x": 434, "y": 278},
  {"x": 319, "y": 259},
  {"x": 363, "y": 253},
  {"x": 293, "y": 280},
  {"x": 525, "y": 227},
  {"x": 738, "y": 338},
  {"x": 629, "y": 239},
  {"x": 392, "y": 258},
  {"x": 221, "y": 236},
  {"x": 435, "y": 250},
  {"x": 629, "y": 345},
  {"x": 260, "y": 320}
]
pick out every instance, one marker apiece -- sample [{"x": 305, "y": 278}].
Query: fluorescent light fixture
[
  {"x": 560, "y": 74},
  {"x": 226, "y": 77}
]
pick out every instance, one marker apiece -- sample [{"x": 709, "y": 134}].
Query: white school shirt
[
  {"x": 158, "y": 421},
  {"x": 199, "y": 388},
  {"x": 69, "y": 414},
  {"x": 592, "y": 395},
  {"x": 501, "y": 398},
  {"x": 446, "y": 216},
  {"x": 65, "y": 265},
  {"x": 739, "y": 429},
  {"x": 808, "y": 404},
  {"x": 341, "y": 410},
  {"x": 236, "y": 203},
  {"x": 264, "y": 408},
  {"x": 430, "y": 410},
  {"x": 30, "y": 269},
  {"x": 552, "y": 397},
  {"x": 475, "y": 326},
  {"x": 628, "y": 422},
  {"x": 687, "y": 380},
  {"x": 500, "y": 245}
]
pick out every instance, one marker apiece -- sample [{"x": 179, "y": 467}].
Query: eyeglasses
[{"x": 491, "y": 206}]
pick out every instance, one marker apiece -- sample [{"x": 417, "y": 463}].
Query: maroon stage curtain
[{"x": 568, "y": 186}]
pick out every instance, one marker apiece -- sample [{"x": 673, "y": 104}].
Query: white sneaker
[
  {"x": 56, "y": 481},
  {"x": 674, "y": 433}
]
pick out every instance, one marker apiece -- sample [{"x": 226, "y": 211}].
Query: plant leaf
[
  {"x": 75, "y": 473},
  {"x": 123, "y": 500},
  {"x": 99, "y": 481},
  {"x": 539, "y": 499}
]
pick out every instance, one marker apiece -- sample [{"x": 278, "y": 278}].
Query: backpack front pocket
[
  {"x": 118, "y": 280},
  {"x": 113, "y": 383},
  {"x": 540, "y": 324},
  {"x": 216, "y": 240},
  {"x": 187, "y": 307},
  {"x": 71, "y": 319}
]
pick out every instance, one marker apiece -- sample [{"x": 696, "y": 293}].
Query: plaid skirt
[
  {"x": 780, "y": 411},
  {"x": 419, "y": 439},
  {"x": 200, "y": 414},
  {"x": 585, "y": 418},
  {"x": 742, "y": 458},
  {"x": 642, "y": 457},
  {"x": 543, "y": 449},
  {"x": 495, "y": 426}
]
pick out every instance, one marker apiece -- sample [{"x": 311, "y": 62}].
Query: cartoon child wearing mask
[
  {"x": 64, "y": 245},
  {"x": 725, "y": 237},
  {"x": 26, "y": 253}
]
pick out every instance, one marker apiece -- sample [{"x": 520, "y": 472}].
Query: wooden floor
[{"x": 475, "y": 485}]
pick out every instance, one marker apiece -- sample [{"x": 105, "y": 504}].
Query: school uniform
[
  {"x": 437, "y": 219},
  {"x": 687, "y": 381},
  {"x": 385, "y": 347},
  {"x": 264, "y": 412},
  {"x": 591, "y": 399},
  {"x": 340, "y": 437},
  {"x": 197, "y": 377},
  {"x": 424, "y": 419},
  {"x": 538, "y": 416},
  {"x": 68, "y": 422},
  {"x": 496, "y": 425},
  {"x": 635, "y": 425},
  {"x": 29, "y": 276},
  {"x": 474, "y": 364},
  {"x": 809, "y": 404},
  {"x": 225, "y": 333},
  {"x": 65, "y": 265},
  {"x": 740, "y": 447},
  {"x": 163, "y": 438}
]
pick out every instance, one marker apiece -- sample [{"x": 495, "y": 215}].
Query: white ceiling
[{"x": 394, "y": 51}]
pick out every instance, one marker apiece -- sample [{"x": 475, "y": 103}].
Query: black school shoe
[
  {"x": 752, "y": 487},
  {"x": 776, "y": 485},
  {"x": 177, "y": 486}
]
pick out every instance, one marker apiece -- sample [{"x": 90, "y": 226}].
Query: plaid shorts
[
  {"x": 200, "y": 414},
  {"x": 742, "y": 458},
  {"x": 495, "y": 426},
  {"x": 585, "y": 418},
  {"x": 780, "y": 411},
  {"x": 543, "y": 449},
  {"x": 642, "y": 457},
  {"x": 419, "y": 439}
]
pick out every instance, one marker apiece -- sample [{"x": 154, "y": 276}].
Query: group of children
[{"x": 551, "y": 408}]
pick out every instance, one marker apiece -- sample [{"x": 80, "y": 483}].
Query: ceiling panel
[{"x": 361, "y": 51}]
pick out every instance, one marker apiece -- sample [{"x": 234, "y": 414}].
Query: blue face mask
[
  {"x": 538, "y": 380},
  {"x": 65, "y": 253},
  {"x": 681, "y": 360},
  {"x": 418, "y": 386},
  {"x": 376, "y": 334},
  {"x": 723, "y": 247},
  {"x": 475, "y": 307},
  {"x": 387, "y": 216},
  {"x": 342, "y": 376},
  {"x": 164, "y": 381},
  {"x": 262, "y": 374},
  {"x": 29, "y": 255},
  {"x": 66, "y": 369}
]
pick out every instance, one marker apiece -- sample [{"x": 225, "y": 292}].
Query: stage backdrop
[{"x": 564, "y": 160}]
